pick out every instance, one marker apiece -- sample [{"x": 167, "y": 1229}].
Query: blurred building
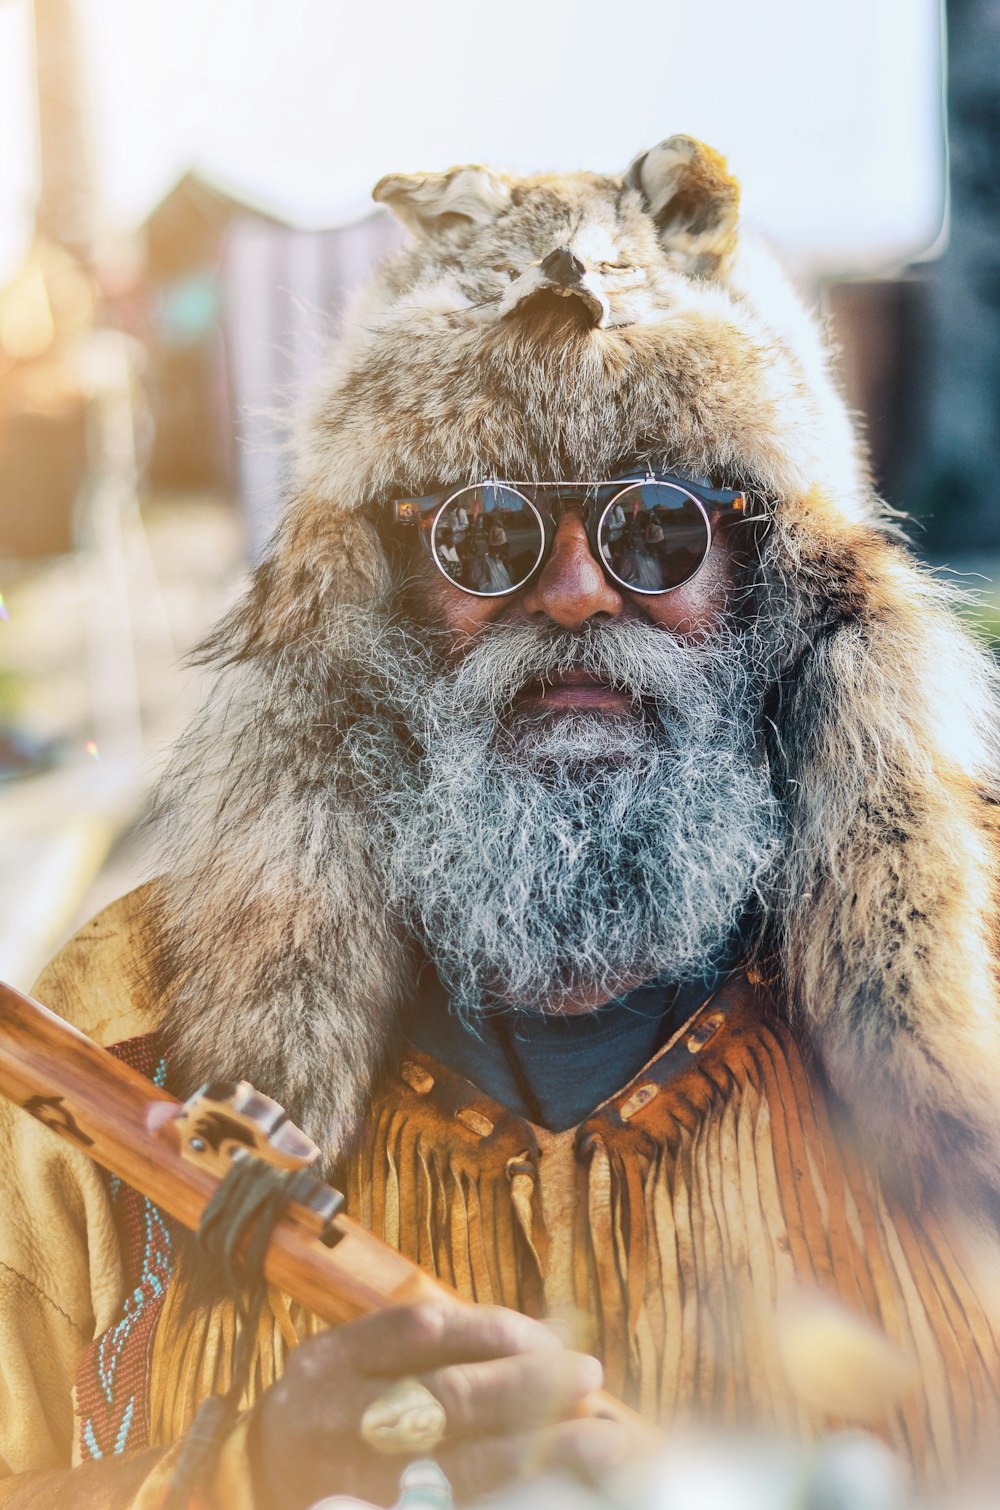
[
  {"x": 921, "y": 349},
  {"x": 952, "y": 472},
  {"x": 247, "y": 228},
  {"x": 241, "y": 308},
  {"x": 879, "y": 326},
  {"x": 44, "y": 311}
]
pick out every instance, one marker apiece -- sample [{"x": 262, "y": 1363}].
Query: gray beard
[{"x": 544, "y": 860}]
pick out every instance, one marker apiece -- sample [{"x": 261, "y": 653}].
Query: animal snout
[{"x": 562, "y": 267}]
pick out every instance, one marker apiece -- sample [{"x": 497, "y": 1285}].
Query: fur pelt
[{"x": 277, "y": 959}]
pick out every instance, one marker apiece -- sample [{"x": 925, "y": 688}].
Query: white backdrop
[{"x": 829, "y": 110}]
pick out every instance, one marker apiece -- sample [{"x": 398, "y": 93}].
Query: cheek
[
  {"x": 693, "y": 611},
  {"x": 432, "y": 600}
]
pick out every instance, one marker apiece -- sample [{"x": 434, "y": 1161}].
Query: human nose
[{"x": 571, "y": 587}]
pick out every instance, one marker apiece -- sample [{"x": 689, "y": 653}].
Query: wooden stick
[{"x": 122, "y": 1121}]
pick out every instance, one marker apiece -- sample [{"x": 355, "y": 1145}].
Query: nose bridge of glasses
[
  {"x": 648, "y": 534},
  {"x": 556, "y": 501}
]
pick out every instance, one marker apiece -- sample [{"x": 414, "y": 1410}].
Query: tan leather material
[
  {"x": 192, "y": 1355},
  {"x": 713, "y": 1224},
  {"x": 61, "y": 1274},
  {"x": 451, "y": 1178},
  {"x": 730, "y": 1201},
  {"x": 722, "y": 1219},
  {"x": 134, "y": 1480}
]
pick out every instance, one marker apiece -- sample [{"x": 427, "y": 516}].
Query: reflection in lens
[
  {"x": 488, "y": 539},
  {"x": 654, "y": 536}
]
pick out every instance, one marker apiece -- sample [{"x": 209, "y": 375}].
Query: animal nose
[{"x": 563, "y": 267}]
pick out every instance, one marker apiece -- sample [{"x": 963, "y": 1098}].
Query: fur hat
[{"x": 682, "y": 345}]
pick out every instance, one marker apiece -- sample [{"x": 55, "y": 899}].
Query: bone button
[
  {"x": 474, "y": 1121},
  {"x": 703, "y": 1032},
  {"x": 416, "y": 1077},
  {"x": 640, "y": 1097}
]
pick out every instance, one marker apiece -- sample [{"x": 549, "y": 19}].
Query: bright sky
[
  {"x": 829, "y": 113},
  {"x": 17, "y": 139}
]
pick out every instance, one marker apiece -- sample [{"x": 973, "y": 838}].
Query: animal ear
[
  {"x": 693, "y": 200},
  {"x": 443, "y": 205}
]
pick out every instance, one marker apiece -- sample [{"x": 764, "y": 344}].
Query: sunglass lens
[
  {"x": 654, "y": 536},
  {"x": 488, "y": 539}
]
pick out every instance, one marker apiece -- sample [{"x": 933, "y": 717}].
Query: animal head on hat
[
  {"x": 555, "y": 326},
  {"x": 606, "y": 243}
]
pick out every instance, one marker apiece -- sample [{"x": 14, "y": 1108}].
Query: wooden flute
[{"x": 177, "y": 1153}]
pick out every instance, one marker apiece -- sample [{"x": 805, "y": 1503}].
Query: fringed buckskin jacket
[
  {"x": 782, "y": 1218},
  {"x": 725, "y": 1246}
]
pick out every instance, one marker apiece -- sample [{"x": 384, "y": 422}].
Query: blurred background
[{"x": 184, "y": 207}]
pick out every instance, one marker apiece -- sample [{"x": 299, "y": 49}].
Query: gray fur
[
  {"x": 279, "y": 958},
  {"x": 548, "y": 860}
]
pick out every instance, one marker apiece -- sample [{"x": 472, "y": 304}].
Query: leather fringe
[{"x": 735, "y": 1256}]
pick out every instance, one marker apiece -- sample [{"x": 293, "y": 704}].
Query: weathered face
[
  {"x": 572, "y": 591},
  {"x": 590, "y": 807}
]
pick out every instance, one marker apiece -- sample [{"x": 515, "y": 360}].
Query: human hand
[{"x": 508, "y": 1388}]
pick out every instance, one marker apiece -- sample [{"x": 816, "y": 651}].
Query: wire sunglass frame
[{"x": 598, "y": 499}]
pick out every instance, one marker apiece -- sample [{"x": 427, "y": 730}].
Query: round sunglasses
[{"x": 651, "y": 534}]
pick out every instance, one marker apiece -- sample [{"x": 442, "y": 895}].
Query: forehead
[{"x": 588, "y": 211}]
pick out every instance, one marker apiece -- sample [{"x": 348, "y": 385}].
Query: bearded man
[{"x": 619, "y": 920}]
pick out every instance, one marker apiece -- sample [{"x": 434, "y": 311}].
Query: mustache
[{"x": 650, "y": 664}]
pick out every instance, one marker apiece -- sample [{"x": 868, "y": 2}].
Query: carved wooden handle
[{"x": 122, "y": 1121}]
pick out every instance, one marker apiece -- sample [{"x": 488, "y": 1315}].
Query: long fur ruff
[{"x": 277, "y": 960}]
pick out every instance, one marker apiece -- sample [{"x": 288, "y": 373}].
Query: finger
[
  {"x": 505, "y": 1395},
  {"x": 586, "y": 1449},
  {"x": 430, "y": 1335}
]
